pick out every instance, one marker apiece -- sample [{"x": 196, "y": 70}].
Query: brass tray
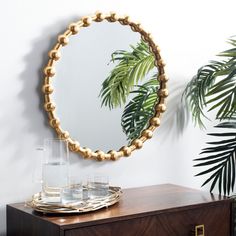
[{"x": 38, "y": 204}]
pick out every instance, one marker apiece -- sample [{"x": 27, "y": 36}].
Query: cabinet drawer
[
  {"x": 215, "y": 219},
  {"x": 135, "y": 227}
]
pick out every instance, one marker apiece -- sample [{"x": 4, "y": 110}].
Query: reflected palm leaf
[
  {"x": 139, "y": 109},
  {"x": 132, "y": 67}
]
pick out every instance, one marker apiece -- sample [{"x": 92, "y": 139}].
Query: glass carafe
[{"x": 55, "y": 170}]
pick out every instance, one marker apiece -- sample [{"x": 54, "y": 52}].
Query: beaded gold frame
[{"x": 49, "y": 71}]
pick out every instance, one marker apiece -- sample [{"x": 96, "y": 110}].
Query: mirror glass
[{"x": 86, "y": 62}]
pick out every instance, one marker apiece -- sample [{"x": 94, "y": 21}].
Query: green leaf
[
  {"x": 212, "y": 156},
  {"x": 219, "y": 166},
  {"x": 140, "y": 109},
  {"x": 223, "y": 134},
  {"x": 233, "y": 171},
  {"x": 214, "y": 88},
  {"x": 132, "y": 67},
  {"x": 211, "y": 162},
  {"x": 220, "y": 162},
  {"x": 227, "y": 125},
  {"x": 228, "y": 141},
  {"x": 214, "y": 181}
]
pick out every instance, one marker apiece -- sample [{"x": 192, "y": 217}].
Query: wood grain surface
[{"x": 154, "y": 210}]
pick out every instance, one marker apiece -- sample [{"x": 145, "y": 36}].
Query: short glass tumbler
[
  {"x": 72, "y": 194},
  {"x": 98, "y": 186}
]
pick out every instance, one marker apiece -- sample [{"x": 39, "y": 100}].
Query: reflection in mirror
[{"x": 105, "y": 86}]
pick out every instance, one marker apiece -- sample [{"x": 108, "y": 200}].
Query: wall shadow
[
  {"x": 176, "y": 118},
  {"x": 32, "y": 77}
]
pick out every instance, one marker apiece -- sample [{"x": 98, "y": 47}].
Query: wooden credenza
[{"x": 160, "y": 210}]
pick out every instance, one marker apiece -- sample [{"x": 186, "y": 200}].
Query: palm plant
[
  {"x": 123, "y": 83},
  {"x": 214, "y": 88}
]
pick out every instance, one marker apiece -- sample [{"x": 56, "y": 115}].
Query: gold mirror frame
[{"x": 49, "y": 71}]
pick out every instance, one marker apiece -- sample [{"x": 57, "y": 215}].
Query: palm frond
[
  {"x": 231, "y": 52},
  {"x": 132, "y": 67},
  {"x": 219, "y": 159},
  {"x": 196, "y": 91},
  {"x": 214, "y": 87},
  {"x": 222, "y": 94},
  {"x": 139, "y": 110}
]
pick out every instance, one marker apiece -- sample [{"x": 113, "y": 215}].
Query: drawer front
[
  {"x": 135, "y": 227},
  {"x": 207, "y": 221}
]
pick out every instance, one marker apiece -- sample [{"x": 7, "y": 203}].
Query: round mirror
[{"x": 108, "y": 89}]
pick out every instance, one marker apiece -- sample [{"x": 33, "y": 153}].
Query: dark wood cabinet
[{"x": 161, "y": 210}]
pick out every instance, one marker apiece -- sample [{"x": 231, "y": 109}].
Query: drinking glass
[
  {"x": 98, "y": 186},
  {"x": 55, "y": 170},
  {"x": 72, "y": 194}
]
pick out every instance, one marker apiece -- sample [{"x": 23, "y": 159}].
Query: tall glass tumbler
[{"x": 55, "y": 171}]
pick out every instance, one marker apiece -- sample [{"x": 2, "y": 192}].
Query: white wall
[{"x": 188, "y": 32}]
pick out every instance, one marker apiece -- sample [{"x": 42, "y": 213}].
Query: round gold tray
[{"x": 38, "y": 204}]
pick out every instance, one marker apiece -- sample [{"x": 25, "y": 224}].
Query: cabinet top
[{"x": 135, "y": 202}]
